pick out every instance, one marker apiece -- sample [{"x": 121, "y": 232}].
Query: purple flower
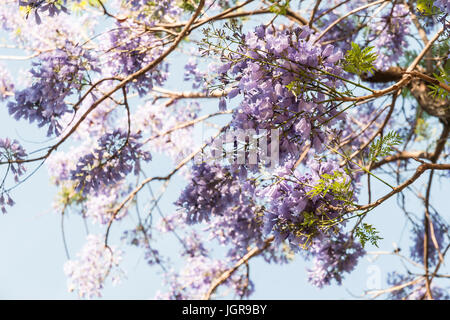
[
  {"x": 57, "y": 75},
  {"x": 117, "y": 155},
  {"x": 280, "y": 59},
  {"x": 333, "y": 256}
]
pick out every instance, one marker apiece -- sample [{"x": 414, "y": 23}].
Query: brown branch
[
  {"x": 188, "y": 94},
  {"x": 404, "y": 155},
  {"x": 227, "y": 274},
  {"x": 429, "y": 79},
  {"x": 420, "y": 170},
  {"x": 347, "y": 15},
  {"x": 427, "y": 222},
  {"x": 400, "y": 84},
  {"x": 167, "y": 177},
  {"x": 124, "y": 82},
  {"x": 376, "y": 293},
  {"x": 313, "y": 12},
  {"x": 378, "y": 132}
]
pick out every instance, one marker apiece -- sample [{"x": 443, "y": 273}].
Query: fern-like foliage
[
  {"x": 426, "y": 7},
  {"x": 334, "y": 183},
  {"x": 437, "y": 91},
  {"x": 359, "y": 60},
  {"x": 279, "y": 7},
  {"x": 367, "y": 233},
  {"x": 383, "y": 146}
]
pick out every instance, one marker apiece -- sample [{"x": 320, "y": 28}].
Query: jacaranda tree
[{"x": 317, "y": 103}]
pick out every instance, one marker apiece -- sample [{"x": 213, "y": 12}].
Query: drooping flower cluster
[
  {"x": 94, "y": 263},
  {"x": 211, "y": 191},
  {"x": 158, "y": 123},
  {"x": 389, "y": 36},
  {"x": 57, "y": 75},
  {"x": 53, "y": 7},
  {"x": 98, "y": 207},
  {"x": 300, "y": 205},
  {"x": 6, "y": 85},
  {"x": 333, "y": 256},
  {"x": 5, "y": 200},
  {"x": 196, "y": 278},
  {"x": 443, "y": 5},
  {"x": 415, "y": 291},
  {"x": 417, "y": 248},
  {"x": 141, "y": 237},
  {"x": 224, "y": 198},
  {"x": 12, "y": 152},
  {"x": 129, "y": 49},
  {"x": 116, "y": 155},
  {"x": 281, "y": 74}
]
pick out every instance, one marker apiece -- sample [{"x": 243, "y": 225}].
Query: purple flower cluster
[
  {"x": 13, "y": 152},
  {"x": 142, "y": 238},
  {"x": 443, "y": 5},
  {"x": 116, "y": 155},
  {"x": 53, "y": 7},
  {"x": 280, "y": 74},
  {"x": 416, "y": 291},
  {"x": 98, "y": 207},
  {"x": 95, "y": 262},
  {"x": 160, "y": 10},
  {"x": 341, "y": 31},
  {"x": 389, "y": 36},
  {"x": 6, "y": 85},
  {"x": 293, "y": 209},
  {"x": 417, "y": 248},
  {"x": 57, "y": 75},
  {"x": 196, "y": 278},
  {"x": 333, "y": 255},
  {"x": 210, "y": 191},
  {"x": 5, "y": 200},
  {"x": 192, "y": 73},
  {"x": 130, "y": 49},
  {"x": 225, "y": 198}
]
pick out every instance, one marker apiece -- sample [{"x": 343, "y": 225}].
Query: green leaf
[
  {"x": 359, "y": 61},
  {"x": 367, "y": 233},
  {"x": 334, "y": 183},
  {"x": 426, "y": 7},
  {"x": 444, "y": 77},
  {"x": 383, "y": 146},
  {"x": 279, "y": 8},
  {"x": 188, "y": 5}
]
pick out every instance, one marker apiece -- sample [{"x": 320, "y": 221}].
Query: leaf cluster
[
  {"x": 383, "y": 146},
  {"x": 367, "y": 233},
  {"x": 334, "y": 183},
  {"x": 443, "y": 77},
  {"x": 359, "y": 61},
  {"x": 426, "y": 7},
  {"x": 279, "y": 8}
]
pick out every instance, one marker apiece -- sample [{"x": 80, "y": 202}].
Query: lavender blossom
[
  {"x": 116, "y": 155},
  {"x": 94, "y": 263},
  {"x": 57, "y": 75}
]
